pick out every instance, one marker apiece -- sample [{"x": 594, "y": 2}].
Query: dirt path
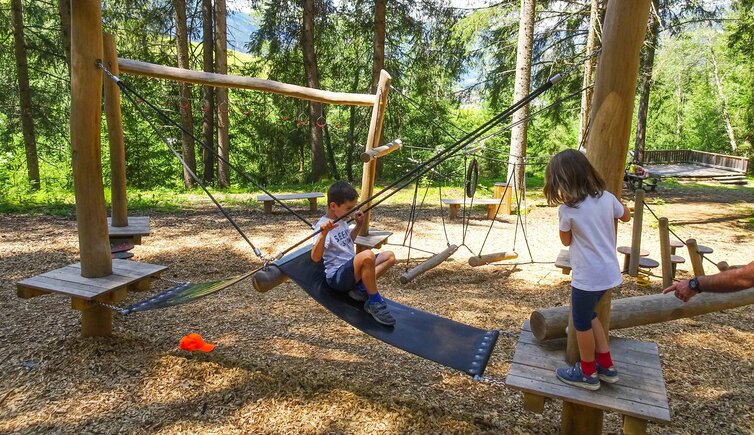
[{"x": 284, "y": 365}]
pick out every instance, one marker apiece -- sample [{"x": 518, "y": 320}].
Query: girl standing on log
[{"x": 587, "y": 216}]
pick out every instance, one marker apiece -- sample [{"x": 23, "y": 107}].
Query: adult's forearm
[{"x": 729, "y": 281}]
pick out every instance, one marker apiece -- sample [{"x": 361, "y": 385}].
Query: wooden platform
[
  {"x": 96, "y": 320},
  {"x": 640, "y": 393},
  {"x": 138, "y": 226},
  {"x": 374, "y": 240},
  {"x": 564, "y": 261},
  {"x": 686, "y": 170},
  {"x": 68, "y": 280},
  {"x": 311, "y": 196}
]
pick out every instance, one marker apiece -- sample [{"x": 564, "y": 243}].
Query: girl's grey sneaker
[
  {"x": 608, "y": 375},
  {"x": 380, "y": 312},
  {"x": 574, "y": 376}
]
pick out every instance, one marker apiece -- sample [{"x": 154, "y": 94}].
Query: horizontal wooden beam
[
  {"x": 384, "y": 150},
  {"x": 428, "y": 264},
  {"x": 238, "y": 82},
  {"x": 550, "y": 323}
]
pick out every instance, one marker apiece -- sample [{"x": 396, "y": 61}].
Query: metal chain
[
  {"x": 490, "y": 380},
  {"x": 115, "y": 308}
]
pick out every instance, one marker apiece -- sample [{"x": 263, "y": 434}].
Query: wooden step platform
[
  {"x": 640, "y": 394},
  {"x": 138, "y": 226},
  {"x": 374, "y": 240},
  {"x": 96, "y": 319},
  {"x": 564, "y": 261}
]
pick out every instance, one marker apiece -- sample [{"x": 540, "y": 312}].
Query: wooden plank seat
[
  {"x": 640, "y": 394},
  {"x": 492, "y": 205},
  {"x": 311, "y": 196},
  {"x": 374, "y": 240},
  {"x": 96, "y": 319},
  {"x": 564, "y": 261},
  {"x": 626, "y": 251},
  {"x": 675, "y": 244},
  {"x": 138, "y": 226}
]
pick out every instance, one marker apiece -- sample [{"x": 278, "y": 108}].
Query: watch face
[{"x": 694, "y": 284}]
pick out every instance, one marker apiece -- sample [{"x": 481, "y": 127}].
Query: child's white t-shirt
[
  {"x": 592, "y": 251},
  {"x": 339, "y": 246}
]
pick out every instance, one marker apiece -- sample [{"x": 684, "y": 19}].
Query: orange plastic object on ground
[{"x": 194, "y": 342}]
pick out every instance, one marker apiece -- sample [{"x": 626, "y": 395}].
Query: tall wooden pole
[
  {"x": 115, "y": 136},
  {"x": 373, "y": 140},
  {"x": 86, "y": 103},
  {"x": 607, "y": 144},
  {"x": 86, "y": 112}
]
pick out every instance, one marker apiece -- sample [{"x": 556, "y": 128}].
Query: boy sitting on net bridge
[{"x": 345, "y": 270}]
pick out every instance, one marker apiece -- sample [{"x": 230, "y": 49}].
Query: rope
[
  {"x": 676, "y": 235},
  {"x": 225, "y": 213},
  {"x": 126, "y": 89}
]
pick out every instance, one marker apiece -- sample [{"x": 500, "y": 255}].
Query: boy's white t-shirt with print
[
  {"x": 592, "y": 251},
  {"x": 339, "y": 247}
]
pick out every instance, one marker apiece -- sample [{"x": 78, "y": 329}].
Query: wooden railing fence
[{"x": 720, "y": 161}]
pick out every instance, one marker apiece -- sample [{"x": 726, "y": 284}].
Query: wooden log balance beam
[
  {"x": 239, "y": 82},
  {"x": 428, "y": 264},
  {"x": 550, "y": 323},
  {"x": 481, "y": 260},
  {"x": 376, "y": 153}
]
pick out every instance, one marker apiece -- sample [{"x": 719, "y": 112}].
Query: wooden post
[
  {"x": 115, "y": 136},
  {"x": 695, "y": 257},
  {"x": 579, "y": 419},
  {"x": 86, "y": 103},
  {"x": 500, "y": 188},
  {"x": 633, "y": 259},
  {"x": 667, "y": 266},
  {"x": 375, "y": 133},
  {"x": 607, "y": 146}
]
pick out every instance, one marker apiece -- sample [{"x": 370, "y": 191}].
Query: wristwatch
[{"x": 694, "y": 285}]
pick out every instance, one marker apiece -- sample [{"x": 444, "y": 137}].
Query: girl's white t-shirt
[{"x": 592, "y": 251}]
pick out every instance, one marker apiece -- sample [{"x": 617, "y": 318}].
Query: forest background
[{"x": 453, "y": 67}]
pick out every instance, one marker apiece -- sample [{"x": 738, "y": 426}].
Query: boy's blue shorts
[
  {"x": 582, "y": 307},
  {"x": 344, "y": 278}
]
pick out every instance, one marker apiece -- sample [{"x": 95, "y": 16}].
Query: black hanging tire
[{"x": 472, "y": 178}]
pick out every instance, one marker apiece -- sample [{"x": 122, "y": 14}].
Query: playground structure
[
  {"x": 98, "y": 279},
  {"x": 581, "y": 414}
]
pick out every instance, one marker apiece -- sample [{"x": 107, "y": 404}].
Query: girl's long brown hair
[{"x": 570, "y": 178}]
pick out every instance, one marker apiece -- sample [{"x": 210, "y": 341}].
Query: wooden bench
[
  {"x": 311, "y": 196},
  {"x": 96, "y": 320},
  {"x": 491, "y": 203},
  {"x": 137, "y": 227},
  {"x": 639, "y": 396}
]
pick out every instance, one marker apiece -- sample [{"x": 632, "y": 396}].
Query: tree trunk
[
  {"x": 352, "y": 122},
  {"x": 591, "y": 45},
  {"x": 378, "y": 58},
  {"x": 521, "y": 90},
  {"x": 646, "y": 82},
  {"x": 679, "y": 111},
  {"x": 723, "y": 102},
  {"x": 319, "y": 162},
  {"x": 184, "y": 90},
  {"x": 64, "y": 10},
  {"x": 22, "y": 69},
  {"x": 330, "y": 152},
  {"x": 208, "y": 94},
  {"x": 221, "y": 62}
]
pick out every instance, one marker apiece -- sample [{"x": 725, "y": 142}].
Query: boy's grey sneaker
[
  {"x": 358, "y": 294},
  {"x": 608, "y": 375},
  {"x": 574, "y": 376},
  {"x": 380, "y": 312}
]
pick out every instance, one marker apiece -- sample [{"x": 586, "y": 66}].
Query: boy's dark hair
[{"x": 340, "y": 192}]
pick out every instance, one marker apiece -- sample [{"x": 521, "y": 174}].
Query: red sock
[
  {"x": 604, "y": 360},
  {"x": 588, "y": 367}
]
